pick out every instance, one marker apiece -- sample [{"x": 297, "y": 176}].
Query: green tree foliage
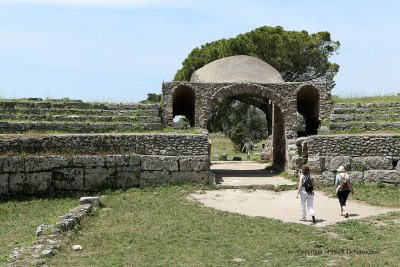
[
  {"x": 239, "y": 121},
  {"x": 152, "y": 98},
  {"x": 297, "y": 55}
]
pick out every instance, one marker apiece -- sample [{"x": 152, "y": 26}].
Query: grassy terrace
[{"x": 364, "y": 100}]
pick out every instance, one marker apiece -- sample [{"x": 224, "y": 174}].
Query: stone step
[
  {"x": 383, "y": 110},
  {"x": 22, "y": 104},
  {"x": 82, "y": 112},
  {"x": 365, "y": 117},
  {"x": 78, "y": 118},
  {"x": 365, "y": 126},
  {"x": 75, "y": 127},
  {"x": 367, "y": 105}
]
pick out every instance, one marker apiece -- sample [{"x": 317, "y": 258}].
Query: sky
[{"x": 121, "y": 50}]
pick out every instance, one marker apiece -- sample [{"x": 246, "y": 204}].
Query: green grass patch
[
  {"x": 222, "y": 144},
  {"x": 366, "y": 99},
  {"x": 373, "y": 194},
  {"x": 20, "y": 218},
  {"x": 161, "y": 227}
]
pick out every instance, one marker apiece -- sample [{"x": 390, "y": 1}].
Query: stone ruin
[
  {"x": 60, "y": 145},
  {"x": 252, "y": 81},
  {"x": 369, "y": 158}
]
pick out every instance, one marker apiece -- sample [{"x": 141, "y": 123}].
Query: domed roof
[{"x": 237, "y": 69}]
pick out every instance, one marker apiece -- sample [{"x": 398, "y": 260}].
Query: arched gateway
[{"x": 253, "y": 81}]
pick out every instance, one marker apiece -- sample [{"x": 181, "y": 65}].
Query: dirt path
[
  {"x": 246, "y": 173},
  {"x": 283, "y": 206}
]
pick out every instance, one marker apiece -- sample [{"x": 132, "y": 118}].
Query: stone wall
[
  {"x": 283, "y": 95},
  {"x": 368, "y": 158},
  {"x": 91, "y": 162}
]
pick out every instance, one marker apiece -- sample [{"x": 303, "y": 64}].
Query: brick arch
[
  {"x": 251, "y": 89},
  {"x": 281, "y": 114}
]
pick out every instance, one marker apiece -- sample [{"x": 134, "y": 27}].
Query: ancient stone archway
[
  {"x": 278, "y": 111},
  {"x": 254, "y": 82}
]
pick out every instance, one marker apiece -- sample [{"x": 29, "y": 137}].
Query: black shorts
[{"x": 342, "y": 195}]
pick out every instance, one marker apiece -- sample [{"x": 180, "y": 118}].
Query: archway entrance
[
  {"x": 183, "y": 103},
  {"x": 268, "y": 102},
  {"x": 308, "y": 107}
]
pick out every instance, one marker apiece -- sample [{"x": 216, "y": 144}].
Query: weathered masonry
[
  {"x": 368, "y": 158},
  {"x": 252, "y": 81},
  {"x": 33, "y": 165}
]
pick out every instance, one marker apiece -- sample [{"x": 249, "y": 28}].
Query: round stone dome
[{"x": 237, "y": 69}]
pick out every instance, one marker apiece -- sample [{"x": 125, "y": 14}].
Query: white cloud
[{"x": 103, "y": 3}]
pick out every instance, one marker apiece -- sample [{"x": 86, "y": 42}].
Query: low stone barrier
[
  {"x": 75, "y": 127},
  {"x": 367, "y": 158},
  {"x": 148, "y": 160}
]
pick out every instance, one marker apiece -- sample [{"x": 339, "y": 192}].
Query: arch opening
[
  {"x": 183, "y": 104},
  {"x": 308, "y": 108},
  {"x": 273, "y": 114}
]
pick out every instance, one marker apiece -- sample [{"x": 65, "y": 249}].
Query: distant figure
[
  {"x": 264, "y": 153},
  {"x": 343, "y": 187},
  {"x": 247, "y": 147},
  {"x": 306, "y": 192}
]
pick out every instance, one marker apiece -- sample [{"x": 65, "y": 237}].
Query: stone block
[
  {"x": 68, "y": 178},
  {"x": 159, "y": 163},
  {"x": 44, "y": 163},
  {"x": 88, "y": 161},
  {"x": 95, "y": 201},
  {"x": 196, "y": 163},
  {"x": 99, "y": 177},
  {"x": 4, "y": 185},
  {"x": 190, "y": 177},
  {"x": 297, "y": 162},
  {"x": 371, "y": 163},
  {"x": 17, "y": 182},
  {"x": 327, "y": 177},
  {"x": 12, "y": 164},
  {"x": 149, "y": 178},
  {"x": 316, "y": 164},
  {"x": 335, "y": 162},
  {"x": 122, "y": 160},
  {"x": 38, "y": 182},
  {"x": 126, "y": 177},
  {"x": 374, "y": 176},
  {"x": 356, "y": 176}
]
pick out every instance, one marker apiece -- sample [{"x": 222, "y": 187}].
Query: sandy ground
[
  {"x": 283, "y": 206},
  {"x": 246, "y": 173}
]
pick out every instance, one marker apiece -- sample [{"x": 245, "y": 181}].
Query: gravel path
[{"x": 283, "y": 206}]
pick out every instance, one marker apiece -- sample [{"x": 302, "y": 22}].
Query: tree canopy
[{"x": 297, "y": 55}]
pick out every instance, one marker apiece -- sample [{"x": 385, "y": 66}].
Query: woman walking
[
  {"x": 343, "y": 187},
  {"x": 306, "y": 192}
]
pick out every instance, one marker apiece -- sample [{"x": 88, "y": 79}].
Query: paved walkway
[
  {"x": 237, "y": 173},
  {"x": 283, "y": 205}
]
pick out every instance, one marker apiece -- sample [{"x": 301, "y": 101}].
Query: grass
[
  {"x": 366, "y": 99},
  {"x": 20, "y": 218},
  {"x": 222, "y": 144},
  {"x": 378, "y": 195},
  {"x": 161, "y": 227}
]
